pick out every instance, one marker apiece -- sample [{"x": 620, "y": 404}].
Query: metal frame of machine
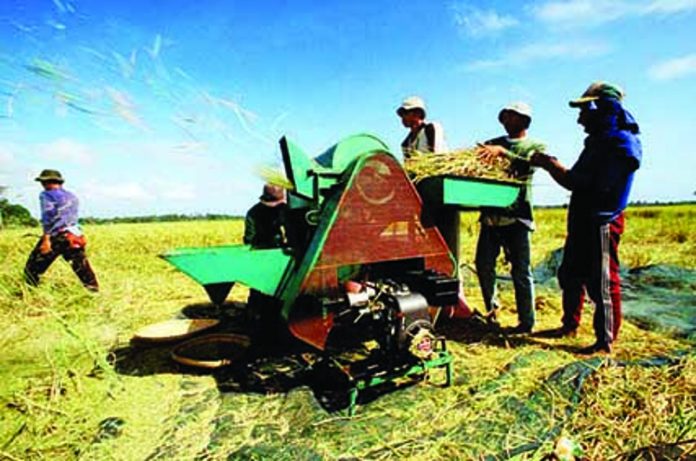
[{"x": 362, "y": 263}]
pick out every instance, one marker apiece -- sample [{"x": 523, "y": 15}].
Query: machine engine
[{"x": 395, "y": 312}]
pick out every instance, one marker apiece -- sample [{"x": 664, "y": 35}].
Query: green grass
[{"x": 58, "y": 381}]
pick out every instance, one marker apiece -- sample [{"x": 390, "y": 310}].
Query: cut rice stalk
[{"x": 469, "y": 162}]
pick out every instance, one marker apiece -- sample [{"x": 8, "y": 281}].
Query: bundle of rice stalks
[
  {"x": 474, "y": 162},
  {"x": 274, "y": 177}
]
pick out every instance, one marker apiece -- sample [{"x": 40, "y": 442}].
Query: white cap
[
  {"x": 518, "y": 107},
  {"x": 410, "y": 103}
]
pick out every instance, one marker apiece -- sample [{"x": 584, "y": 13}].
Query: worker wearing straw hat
[
  {"x": 600, "y": 183},
  {"x": 62, "y": 235},
  {"x": 510, "y": 228}
]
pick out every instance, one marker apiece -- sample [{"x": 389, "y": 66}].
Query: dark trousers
[
  {"x": 39, "y": 263},
  {"x": 263, "y": 313},
  {"x": 514, "y": 240},
  {"x": 591, "y": 264}
]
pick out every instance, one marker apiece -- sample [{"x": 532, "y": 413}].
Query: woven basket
[
  {"x": 173, "y": 330},
  {"x": 211, "y": 351}
]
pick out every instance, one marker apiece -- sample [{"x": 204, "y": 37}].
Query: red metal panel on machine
[
  {"x": 378, "y": 219},
  {"x": 313, "y": 330}
]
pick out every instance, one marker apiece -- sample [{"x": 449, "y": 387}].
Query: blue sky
[{"x": 171, "y": 106}]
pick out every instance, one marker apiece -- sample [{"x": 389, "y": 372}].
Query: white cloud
[
  {"x": 669, "y": 6},
  {"x": 477, "y": 22},
  {"x": 582, "y": 11},
  {"x": 6, "y": 158},
  {"x": 157, "y": 190},
  {"x": 124, "y": 191},
  {"x": 593, "y": 12},
  {"x": 66, "y": 150},
  {"x": 535, "y": 52},
  {"x": 13, "y": 173},
  {"x": 178, "y": 192},
  {"x": 674, "y": 68},
  {"x": 190, "y": 155}
]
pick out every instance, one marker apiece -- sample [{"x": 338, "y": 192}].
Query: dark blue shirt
[
  {"x": 58, "y": 210},
  {"x": 264, "y": 226},
  {"x": 601, "y": 178}
]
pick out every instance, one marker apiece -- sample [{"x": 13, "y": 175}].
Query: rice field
[{"x": 72, "y": 386}]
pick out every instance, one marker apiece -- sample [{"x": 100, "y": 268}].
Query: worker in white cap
[
  {"x": 429, "y": 137},
  {"x": 509, "y": 228},
  {"x": 422, "y": 136}
]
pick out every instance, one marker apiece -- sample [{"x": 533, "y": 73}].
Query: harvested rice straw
[
  {"x": 468, "y": 162},
  {"x": 274, "y": 177}
]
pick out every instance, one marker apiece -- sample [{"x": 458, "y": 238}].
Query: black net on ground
[
  {"x": 657, "y": 297},
  {"x": 661, "y": 297}
]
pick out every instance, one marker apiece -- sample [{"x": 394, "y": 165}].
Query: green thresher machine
[{"x": 365, "y": 258}]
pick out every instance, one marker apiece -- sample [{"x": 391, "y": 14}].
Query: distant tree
[
  {"x": 15, "y": 215},
  {"x": 2, "y": 193},
  {"x": 158, "y": 218}
]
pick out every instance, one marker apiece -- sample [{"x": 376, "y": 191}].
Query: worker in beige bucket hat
[{"x": 509, "y": 229}]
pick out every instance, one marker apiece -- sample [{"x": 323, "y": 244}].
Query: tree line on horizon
[
  {"x": 171, "y": 217},
  {"x": 15, "y": 215}
]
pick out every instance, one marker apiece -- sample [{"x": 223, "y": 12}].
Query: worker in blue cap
[{"x": 600, "y": 183}]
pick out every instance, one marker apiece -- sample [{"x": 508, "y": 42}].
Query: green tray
[
  {"x": 467, "y": 192},
  {"x": 255, "y": 268}
]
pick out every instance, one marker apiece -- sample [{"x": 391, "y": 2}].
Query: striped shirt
[{"x": 429, "y": 137}]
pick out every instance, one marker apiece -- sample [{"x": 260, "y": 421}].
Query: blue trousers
[{"x": 514, "y": 240}]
